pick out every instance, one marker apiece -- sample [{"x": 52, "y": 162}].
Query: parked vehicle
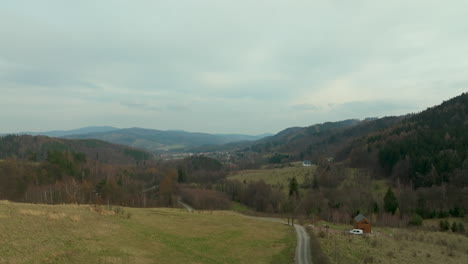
[{"x": 356, "y": 232}]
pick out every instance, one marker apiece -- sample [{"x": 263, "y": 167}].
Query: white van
[{"x": 356, "y": 232}]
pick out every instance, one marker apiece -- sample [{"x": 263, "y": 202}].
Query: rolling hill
[
  {"x": 163, "y": 141},
  {"x": 62, "y": 133},
  {"x": 313, "y": 142},
  {"x": 36, "y": 148}
]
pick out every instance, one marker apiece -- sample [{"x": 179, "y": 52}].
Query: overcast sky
[{"x": 225, "y": 66}]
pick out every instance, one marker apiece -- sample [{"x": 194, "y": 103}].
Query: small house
[
  {"x": 306, "y": 163},
  {"x": 361, "y": 222}
]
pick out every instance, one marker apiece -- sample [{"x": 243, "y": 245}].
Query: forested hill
[
  {"x": 425, "y": 149},
  {"x": 36, "y": 148},
  {"x": 313, "y": 142}
]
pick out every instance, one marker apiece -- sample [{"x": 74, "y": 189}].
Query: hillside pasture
[
  {"x": 278, "y": 177},
  {"x": 392, "y": 245},
  {"x": 31, "y": 233}
]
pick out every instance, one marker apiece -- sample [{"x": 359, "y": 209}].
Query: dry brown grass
[
  {"x": 395, "y": 245},
  {"x": 56, "y": 216},
  {"x": 75, "y": 218},
  {"x": 88, "y": 234},
  {"x": 31, "y": 212}
]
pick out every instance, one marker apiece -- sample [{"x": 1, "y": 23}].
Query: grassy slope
[
  {"x": 274, "y": 176},
  {"x": 394, "y": 245},
  {"x": 80, "y": 234}
]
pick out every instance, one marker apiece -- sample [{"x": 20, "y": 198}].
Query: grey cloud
[{"x": 268, "y": 57}]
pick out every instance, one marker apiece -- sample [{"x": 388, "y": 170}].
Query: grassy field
[
  {"x": 277, "y": 177},
  {"x": 393, "y": 245},
  {"x": 86, "y": 234}
]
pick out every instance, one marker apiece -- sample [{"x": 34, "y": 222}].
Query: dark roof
[{"x": 359, "y": 218}]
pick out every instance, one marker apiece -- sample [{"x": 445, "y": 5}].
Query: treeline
[
  {"x": 205, "y": 199},
  {"x": 200, "y": 169},
  {"x": 36, "y": 149},
  {"x": 69, "y": 177},
  {"x": 337, "y": 194},
  {"x": 73, "y": 177},
  {"x": 256, "y": 195}
]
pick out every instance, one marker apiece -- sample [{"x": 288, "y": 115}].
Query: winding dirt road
[{"x": 302, "y": 255}]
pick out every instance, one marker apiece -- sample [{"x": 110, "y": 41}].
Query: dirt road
[{"x": 302, "y": 255}]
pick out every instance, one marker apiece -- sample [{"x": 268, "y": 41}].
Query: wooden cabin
[{"x": 361, "y": 222}]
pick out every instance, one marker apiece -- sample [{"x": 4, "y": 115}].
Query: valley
[{"x": 406, "y": 174}]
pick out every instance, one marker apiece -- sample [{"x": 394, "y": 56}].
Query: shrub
[
  {"x": 454, "y": 227},
  {"x": 461, "y": 227},
  {"x": 416, "y": 220},
  {"x": 444, "y": 225},
  {"x": 118, "y": 210},
  {"x": 322, "y": 234}
]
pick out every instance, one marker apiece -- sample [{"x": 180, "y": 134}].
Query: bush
[
  {"x": 454, "y": 227},
  {"x": 444, "y": 225},
  {"x": 461, "y": 227},
  {"x": 416, "y": 220},
  {"x": 322, "y": 234}
]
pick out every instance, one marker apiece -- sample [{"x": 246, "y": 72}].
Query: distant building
[
  {"x": 361, "y": 222},
  {"x": 306, "y": 163}
]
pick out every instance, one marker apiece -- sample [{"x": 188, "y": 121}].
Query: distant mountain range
[
  {"x": 63, "y": 133},
  {"x": 152, "y": 140}
]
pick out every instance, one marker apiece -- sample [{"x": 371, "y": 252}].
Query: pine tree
[
  {"x": 390, "y": 201},
  {"x": 293, "y": 187}
]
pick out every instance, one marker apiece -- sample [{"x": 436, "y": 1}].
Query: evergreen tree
[
  {"x": 390, "y": 201},
  {"x": 293, "y": 187}
]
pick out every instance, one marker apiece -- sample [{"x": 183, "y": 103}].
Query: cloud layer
[{"x": 225, "y": 66}]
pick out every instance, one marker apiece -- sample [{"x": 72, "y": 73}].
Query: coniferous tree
[{"x": 390, "y": 201}]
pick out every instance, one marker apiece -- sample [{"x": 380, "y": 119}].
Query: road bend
[
  {"x": 188, "y": 207},
  {"x": 302, "y": 255}
]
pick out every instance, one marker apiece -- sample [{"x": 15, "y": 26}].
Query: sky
[{"x": 222, "y": 66}]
